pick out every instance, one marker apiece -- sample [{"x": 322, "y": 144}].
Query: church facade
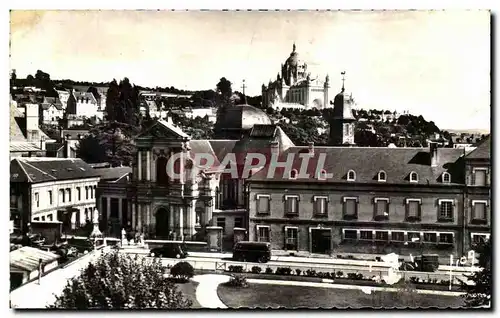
[
  {"x": 294, "y": 87},
  {"x": 163, "y": 206}
]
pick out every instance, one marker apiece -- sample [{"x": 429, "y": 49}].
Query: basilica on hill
[{"x": 295, "y": 87}]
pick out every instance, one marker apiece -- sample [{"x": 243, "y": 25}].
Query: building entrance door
[
  {"x": 162, "y": 226},
  {"x": 321, "y": 241}
]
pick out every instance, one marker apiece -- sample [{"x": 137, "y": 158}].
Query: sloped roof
[
  {"x": 367, "y": 162},
  {"x": 16, "y": 134},
  {"x": 84, "y": 95},
  {"x": 221, "y": 147},
  {"x": 36, "y": 170},
  {"x": 23, "y": 146},
  {"x": 161, "y": 128},
  {"x": 81, "y": 88},
  {"x": 113, "y": 173},
  {"x": 27, "y": 258},
  {"x": 482, "y": 151}
]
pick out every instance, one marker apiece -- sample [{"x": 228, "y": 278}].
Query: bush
[
  {"x": 121, "y": 281},
  {"x": 283, "y": 271},
  {"x": 237, "y": 281},
  {"x": 310, "y": 273},
  {"x": 235, "y": 268},
  {"x": 298, "y": 271},
  {"x": 269, "y": 270},
  {"x": 340, "y": 274},
  {"x": 182, "y": 271},
  {"x": 256, "y": 269}
]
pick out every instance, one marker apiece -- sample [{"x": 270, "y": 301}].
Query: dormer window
[
  {"x": 322, "y": 174},
  {"x": 293, "y": 174},
  {"x": 351, "y": 175},
  {"x": 382, "y": 177},
  {"x": 446, "y": 177},
  {"x": 413, "y": 177}
]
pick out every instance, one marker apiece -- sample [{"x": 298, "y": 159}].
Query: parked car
[
  {"x": 252, "y": 251},
  {"x": 170, "y": 250},
  {"x": 81, "y": 245}
]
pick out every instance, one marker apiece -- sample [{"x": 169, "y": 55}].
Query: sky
[{"x": 431, "y": 63}]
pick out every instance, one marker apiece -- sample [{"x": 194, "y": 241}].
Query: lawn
[
  {"x": 189, "y": 291},
  {"x": 276, "y": 296}
]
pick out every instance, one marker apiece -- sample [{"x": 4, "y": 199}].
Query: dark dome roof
[
  {"x": 293, "y": 60},
  {"x": 244, "y": 117},
  {"x": 343, "y": 103}
]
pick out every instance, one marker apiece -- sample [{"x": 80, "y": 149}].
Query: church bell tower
[{"x": 342, "y": 122}]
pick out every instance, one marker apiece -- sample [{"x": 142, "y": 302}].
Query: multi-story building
[
  {"x": 296, "y": 86},
  {"x": 52, "y": 189},
  {"x": 51, "y": 111},
  {"x": 363, "y": 200},
  {"x": 81, "y": 104},
  {"x": 26, "y": 138},
  {"x": 371, "y": 200},
  {"x": 477, "y": 203}
]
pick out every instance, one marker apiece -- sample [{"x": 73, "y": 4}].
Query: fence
[{"x": 414, "y": 277}]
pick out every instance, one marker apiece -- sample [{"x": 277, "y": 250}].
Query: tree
[
  {"x": 121, "y": 281},
  {"x": 479, "y": 294},
  {"x": 112, "y": 97},
  {"x": 91, "y": 150}
]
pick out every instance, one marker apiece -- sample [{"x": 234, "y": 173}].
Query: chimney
[
  {"x": 275, "y": 147},
  {"x": 433, "y": 150},
  {"x": 31, "y": 114},
  {"x": 311, "y": 147},
  {"x": 42, "y": 143}
]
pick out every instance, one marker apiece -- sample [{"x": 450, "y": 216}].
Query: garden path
[{"x": 206, "y": 292}]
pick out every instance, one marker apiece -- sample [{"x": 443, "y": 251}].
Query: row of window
[
  {"x": 238, "y": 222},
  {"x": 479, "y": 176},
  {"x": 88, "y": 215},
  {"x": 65, "y": 195},
  {"x": 405, "y": 237},
  {"x": 381, "y": 207},
  {"x": 381, "y": 176},
  {"x": 355, "y": 235}
]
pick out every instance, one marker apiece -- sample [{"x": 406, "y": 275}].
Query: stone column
[
  {"x": 153, "y": 168},
  {"x": 191, "y": 218},
  {"x": 171, "y": 219},
  {"x": 108, "y": 208},
  {"x": 181, "y": 222},
  {"x": 139, "y": 165},
  {"x": 99, "y": 207},
  {"x": 139, "y": 217},
  {"x": 148, "y": 217},
  {"x": 148, "y": 165},
  {"x": 133, "y": 216},
  {"x": 120, "y": 212}
]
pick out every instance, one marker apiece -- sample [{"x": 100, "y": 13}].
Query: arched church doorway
[{"x": 162, "y": 225}]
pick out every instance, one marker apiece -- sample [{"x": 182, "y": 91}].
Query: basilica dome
[{"x": 293, "y": 59}]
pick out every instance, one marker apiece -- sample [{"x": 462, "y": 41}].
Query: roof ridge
[
  {"x": 40, "y": 170},
  {"x": 24, "y": 170}
]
